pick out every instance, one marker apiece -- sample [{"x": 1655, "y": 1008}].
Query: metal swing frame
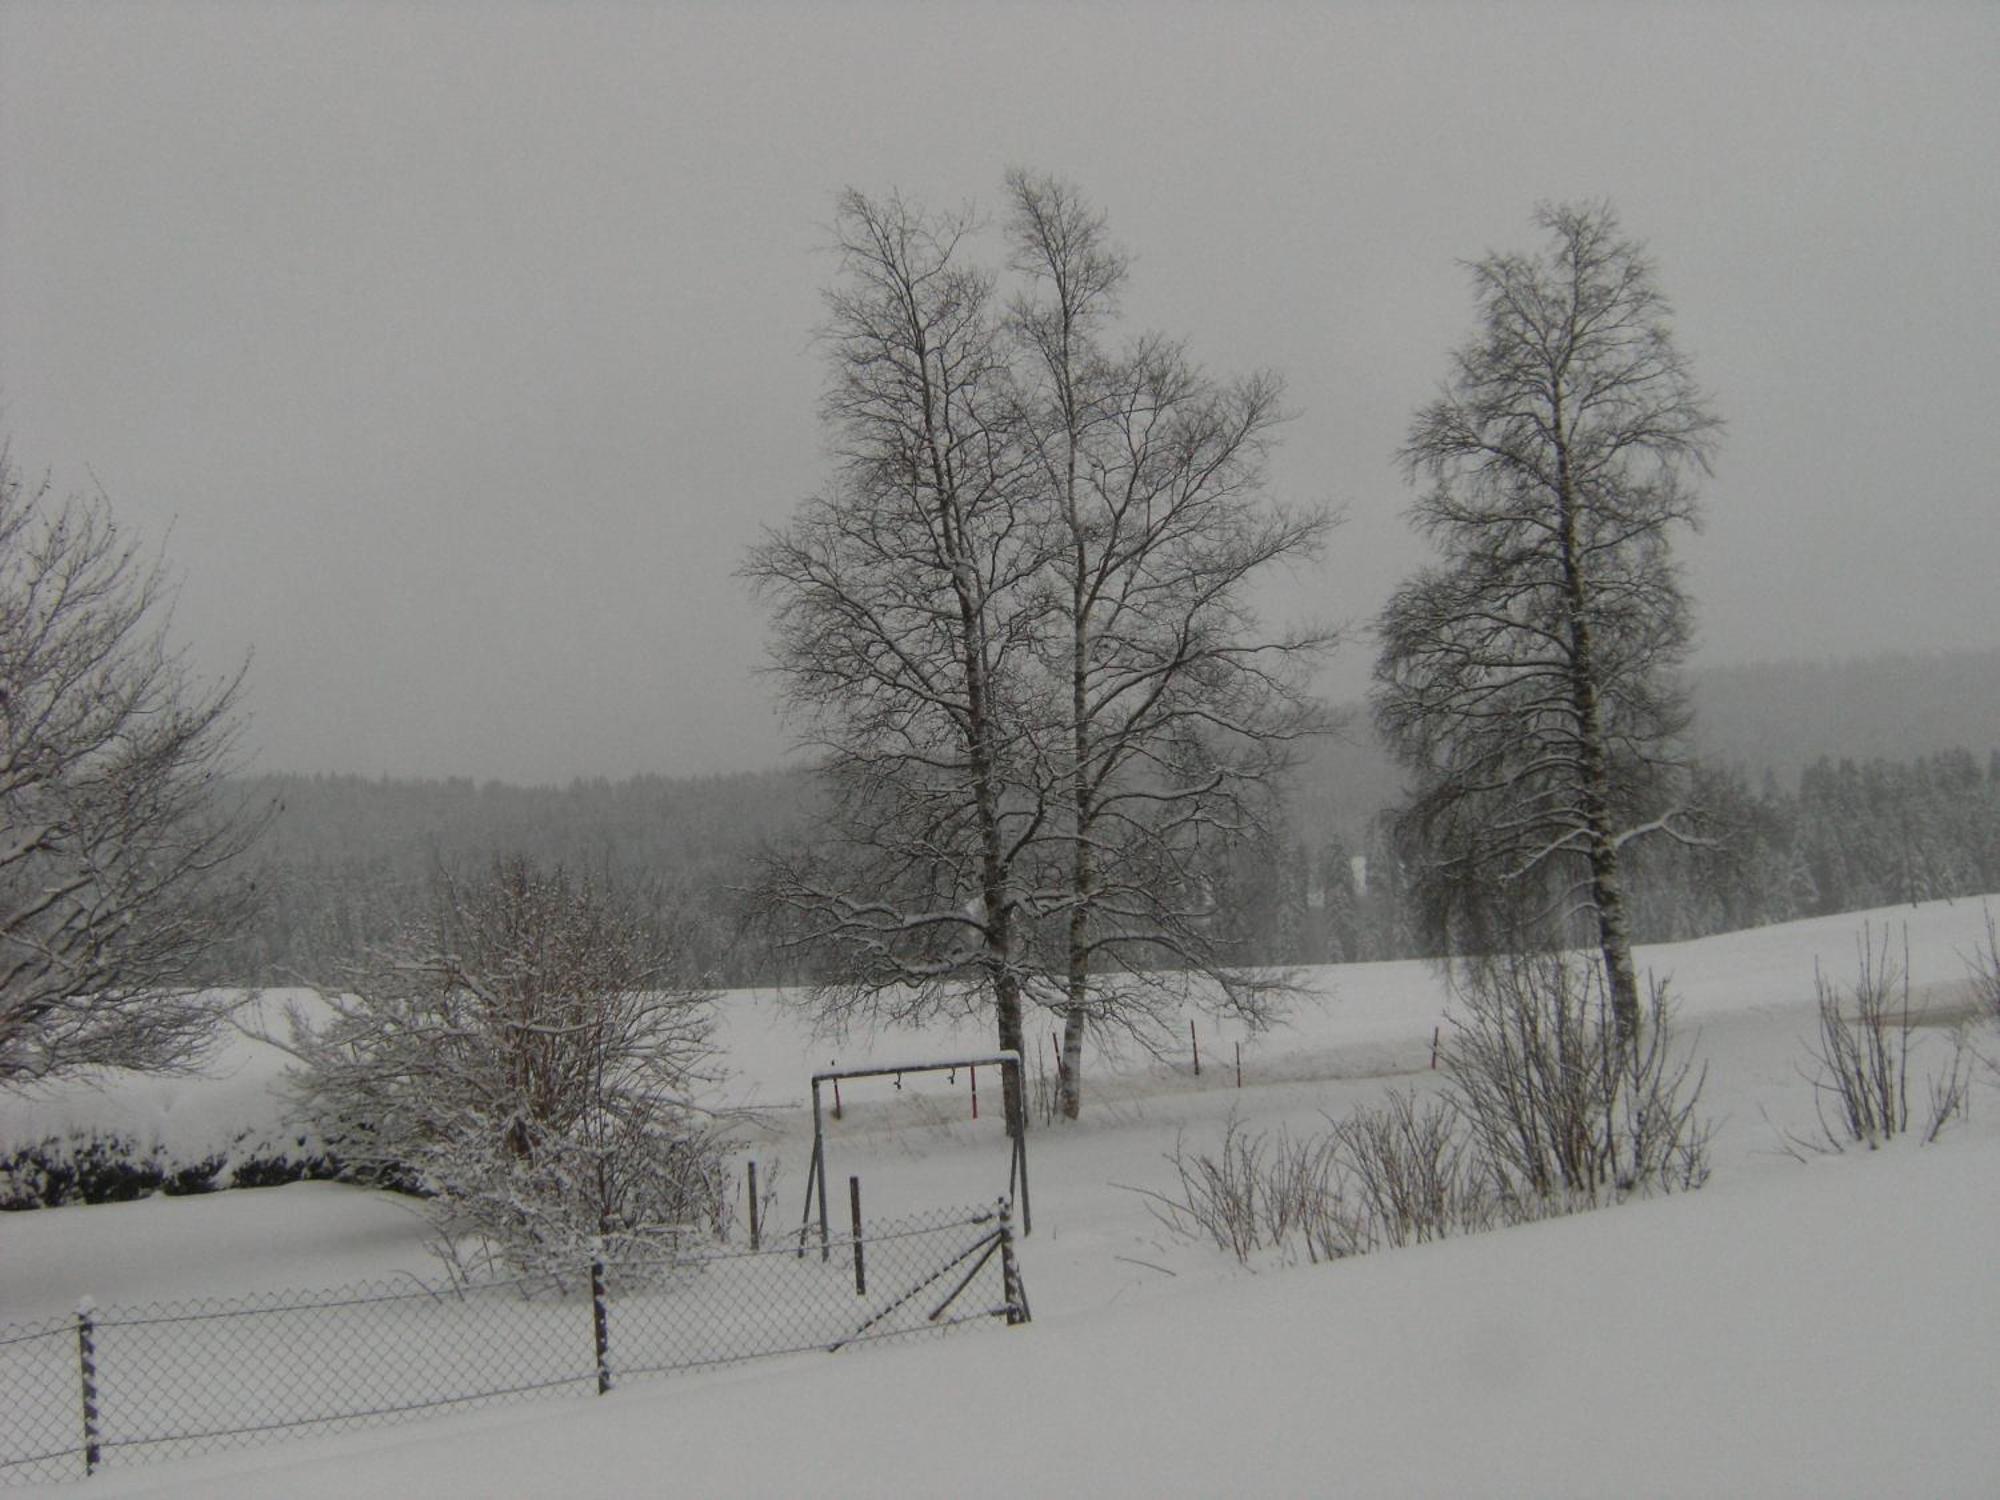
[{"x": 1014, "y": 1101}]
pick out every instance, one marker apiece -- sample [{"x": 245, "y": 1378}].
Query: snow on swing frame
[{"x": 1009, "y": 1064}]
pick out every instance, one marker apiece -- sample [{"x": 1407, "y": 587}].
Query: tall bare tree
[
  {"x": 113, "y": 841},
  {"x": 1528, "y": 679},
  {"x": 902, "y": 619},
  {"x": 1177, "y": 711},
  {"x": 1015, "y": 627}
]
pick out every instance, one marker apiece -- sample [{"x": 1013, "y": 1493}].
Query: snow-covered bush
[
  {"x": 89, "y": 1166},
  {"x": 524, "y": 1057},
  {"x": 57, "y": 1172}
]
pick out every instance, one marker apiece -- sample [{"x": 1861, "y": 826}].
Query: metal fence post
[
  {"x": 860, "y": 1266},
  {"x": 600, "y": 1318},
  {"x": 755, "y": 1236},
  {"x": 86, "y": 1354},
  {"x": 1010, "y": 1273}
]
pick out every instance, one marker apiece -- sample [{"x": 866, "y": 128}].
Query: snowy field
[{"x": 1827, "y": 1326}]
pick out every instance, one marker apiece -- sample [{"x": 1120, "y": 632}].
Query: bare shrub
[
  {"x": 1392, "y": 1175},
  {"x": 1408, "y": 1167},
  {"x": 1215, "y": 1198},
  {"x": 1244, "y": 1198},
  {"x": 1861, "y": 1077},
  {"x": 1983, "y": 971},
  {"x": 1543, "y": 1112},
  {"x": 1951, "y": 1086},
  {"x": 1556, "y": 1108}
]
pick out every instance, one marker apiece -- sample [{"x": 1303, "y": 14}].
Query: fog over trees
[{"x": 346, "y": 859}]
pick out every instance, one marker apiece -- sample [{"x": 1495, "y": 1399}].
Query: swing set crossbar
[{"x": 992, "y": 1059}]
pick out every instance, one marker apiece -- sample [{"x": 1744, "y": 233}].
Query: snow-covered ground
[{"x": 1826, "y": 1326}]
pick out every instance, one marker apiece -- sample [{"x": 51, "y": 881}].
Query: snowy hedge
[
  {"x": 116, "y": 1135},
  {"x": 88, "y": 1167}
]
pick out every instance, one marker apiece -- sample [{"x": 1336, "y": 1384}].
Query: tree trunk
[
  {"x": 1007, "y": 1008},
  {"x": 1615, "y": 944},
  {"x": 1071, "y": 1062},
  {"x": 1082, "y": 869},
  {"x": 1607, "y": 891},
  {"x": 1607, "y": 887}
]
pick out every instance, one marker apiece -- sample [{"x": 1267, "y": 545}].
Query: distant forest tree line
[
  {"x": 1851, "y": 837},
  {"x": 347, "y": 861}
]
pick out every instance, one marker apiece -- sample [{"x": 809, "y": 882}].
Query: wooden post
[
  {"x": 600, "y": 1319},
  {"x": 755, "y": 1237},
  {"x": 1194, "y": 1042},
  {"x": 860, "y": 1267},
  {"x": 86, "y": 1353}
]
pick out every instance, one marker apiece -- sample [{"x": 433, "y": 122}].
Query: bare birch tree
[
  {"x": 1015, "y": 627},
  {"x": 1528, "y": 680},
  {"x": 902, "y": 619},
  {"x": 113, "y": 842},
  {"x": 1177, "y": 711}
]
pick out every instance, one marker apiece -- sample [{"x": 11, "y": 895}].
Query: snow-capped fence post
[
  {"x": 600, "y": 1318},
  {"x": 1010, "y": 1273},
  {"x": 86, "y": 1354},
  {"x": 860, "y": 1266}
]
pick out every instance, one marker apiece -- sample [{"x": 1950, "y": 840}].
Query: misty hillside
[
  {"x": 1781, "y": 717},
  {"x": 1775, "y": 718},
  {"x": 1906, "y": 807}
]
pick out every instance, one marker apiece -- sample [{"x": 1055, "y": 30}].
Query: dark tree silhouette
[{"x": 1528, "y": 679}]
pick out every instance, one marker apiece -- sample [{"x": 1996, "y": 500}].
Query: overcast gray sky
[{"x": 457, "y": 352}]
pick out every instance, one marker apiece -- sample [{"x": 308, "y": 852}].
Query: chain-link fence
[{"x": 122, "y": 1385}]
